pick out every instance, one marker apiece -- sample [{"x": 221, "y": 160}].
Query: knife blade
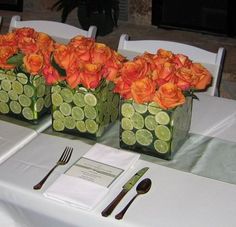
[{"x": 126, "y": 187}]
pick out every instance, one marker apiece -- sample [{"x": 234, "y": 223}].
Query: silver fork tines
[{"x": 64, "y": 159}]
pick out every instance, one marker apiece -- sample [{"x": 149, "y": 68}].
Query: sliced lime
[
  {"x": 58, "y": 125},
  {"x": 153, "y": 108},
  {"x": 137, "y": 120},
  {"x": 77, "y": 113},
  {"x": 56, "y": 88},
  {"x": 90, "y": 99},
  {"x": 57, "y": 100},
  {"x": 11, "y": 77},
  {"x": 91, "y": 126},
  {"x": 65, "y": 108},
  {"x": 6, "y": 85},
  {"x": 22, "y": 78},
  {"x": 90, "y": 112},
  {"x": 39, "y": 104},
  {"x": 15, "y": 107},
  {"x": 2, "y": 76},
  {"x": 18, "y": 87},
  {"x": 36, "y": 80},
  {"x": 80, "y": 125},
  {"x": 144, "y": 137},
  {"x": 28, "y": 113},
  {"x": 57, "y": 115},
  {"x": 127, "y": 110},
  {"x": 78, "y": 99},
  {"x": 161, "y": 146},
  {"x": 24, "y": 100},
  {"x": 41, "y": 90},
  {"x": 128, "y": 137},
  {"x": 47, "y": 100},
  {"x": 4, "y": 108},
  {"x": 67, "y": 95},
  {"x": 69, "y": 122},
  {"x": 141, "y": 108},
  {"x": 126, "y": 123},
  {"x": 4, "y": 97},
  {"x": 150, "y": 122},
  {"x": 163, "y": 132},
  {"x": 162, "y": 118},
  {"x": 13, "y": 95},
  {"x": 29, "y": 90}
]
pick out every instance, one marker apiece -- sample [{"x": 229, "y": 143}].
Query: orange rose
[
  {"x": 45, "y": 42},
  {"x": 8, "y": 40},
  {"x": 51, "y": 75},
  {"x": 143, "y": 90},
  {"x": 181, "y": 60},
  {"x": 204, "y": 76},
  {"x": 123, "y": 89},
  {"x": 5, "y": 53},
  {"x": 33, "y": 63},
  {"x": 73, "y": 77},
  {"x": 169, "y": 96},
  {"x": 27, "y": 45},
  {"x": 25, "y": 32},
  {"x": 100, "y": 53}
]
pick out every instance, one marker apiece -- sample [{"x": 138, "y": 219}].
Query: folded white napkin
[{"x": 85, "y": 194}]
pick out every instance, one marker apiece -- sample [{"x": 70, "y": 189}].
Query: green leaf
[
  {"x": 60, "y": 70},
  {"x": 16, "y": 60}
]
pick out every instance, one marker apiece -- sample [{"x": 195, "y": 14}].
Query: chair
[
  {"x": 59, "y": 31},
  {"x": 212, "y": 61}
]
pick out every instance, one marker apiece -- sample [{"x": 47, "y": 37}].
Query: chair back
[
  {"x": 212, "y": 61},
  {"x": 59, "y": 31}
]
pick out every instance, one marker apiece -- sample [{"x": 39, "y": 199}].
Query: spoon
[{"x": 142, "y": 188}]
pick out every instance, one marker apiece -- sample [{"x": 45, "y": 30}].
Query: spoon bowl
[{"x": 142, "y": 188}]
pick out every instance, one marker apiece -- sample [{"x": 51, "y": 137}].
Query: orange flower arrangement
[
  {"x": 84, "y": 62},
  {"x": 163, "y": 77},
  {"x": 28, "y": 50}
]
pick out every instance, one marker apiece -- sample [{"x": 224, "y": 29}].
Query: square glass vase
[
  {"x": 84, "y": 112},
  {"x": 148, "y": 129},
  {"x": 24, "y": 96}
]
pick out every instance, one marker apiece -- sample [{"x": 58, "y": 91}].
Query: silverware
[
  {"x": 142, "y": 188},
  {"x": 64, "y": 159},
  {"x": 126, "y": 187}
]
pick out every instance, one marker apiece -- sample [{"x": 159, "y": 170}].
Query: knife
[{"x": 126, "y": 187}]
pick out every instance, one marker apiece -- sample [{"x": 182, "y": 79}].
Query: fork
[{"x": 64, "y": 159}]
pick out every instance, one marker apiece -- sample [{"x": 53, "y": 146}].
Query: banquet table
[{"x": 195, "y": 188}]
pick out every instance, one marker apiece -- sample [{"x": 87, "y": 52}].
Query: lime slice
[
  {"x": 29, "y": 90},
  {"x": 4, "y": 97},
  {"x": 65, "y": 108},
  {"x": 6, "y": 85},
  {"x": 141, "y": 108},
  {"x": 150, "y": 122},
  {"x": 69, "y": 122},
  {"x": 11, "y": 77},
  {"x": 24, "y": 100},
  {"x": 47, "y": 100},
  {"x": 80, "y": 125},
  {"x": 127, "y": 110},
  {"x": 13, "y": 95},
  {"x": 153, "y": 108},
  {"x": 144, "y": 137},
  {"x": 128, "y": 137},
  {"x": 4, "y": 108},
  {"x": 39, "y": 105},
  {"x": 36, "y": 80},
  {"x": 91, "y": 126},
  {"x": 22, "y": 78},
  {"x": 78, "y": 99},
  {"x": 137, "y": 120},
  {"x": 163, "y": 132},
  {"x": 41, "y": 90},
  {"x": 126, "y": 123},
  {"x": 161, "y": 146},
  {"x": 2, "y": 76},
  {"x": 57, "y": 115},
  {"x": 90, "y": 99},
  {"x": 67, "y": 95},
  {"x": 28, "y": 113},
  {"x": 162, "y": 118},
  {"x": 18, "y": 87},
  {"x": 58, "y": 125},
  {"x": 57, "y": 100},
  {"x": 15, "y": 107},
  {"x": 56, "y": 89},
  {"x": 77, "y": 113},
  {"x": 90, "y": 112}
]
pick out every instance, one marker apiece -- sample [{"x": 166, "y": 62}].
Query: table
[{"x": 178, "y": 197}]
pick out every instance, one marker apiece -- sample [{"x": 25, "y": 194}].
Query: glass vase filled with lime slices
[
  {"x": 24, "y": 96},
  {"x": 84, "y": 112},
  {"x": 148, "y": 129}
]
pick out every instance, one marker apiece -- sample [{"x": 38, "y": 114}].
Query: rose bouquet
[
  {"x": 83, "y": 99},
  {"x": 24, "y": 55},
  {"x": 156, "y": 91}
]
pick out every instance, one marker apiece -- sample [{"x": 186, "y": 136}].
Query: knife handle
[{"x": 108, "y": 210}]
